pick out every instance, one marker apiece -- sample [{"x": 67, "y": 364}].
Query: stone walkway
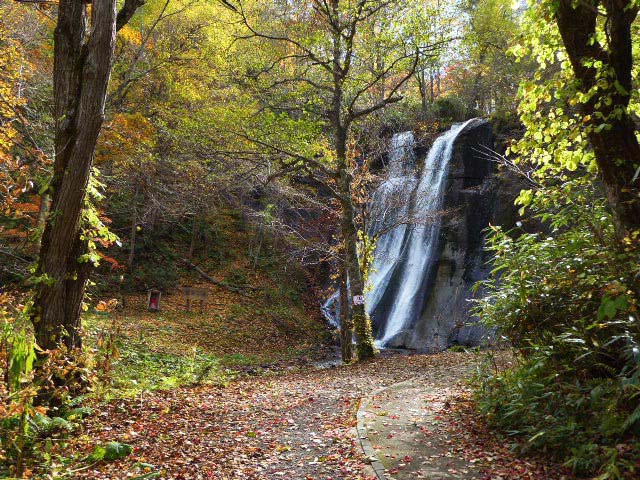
[
  {"x": 301, "y": 425},
  {"x": 403, "y": 432},
  {"x": 427, "y": 427}
]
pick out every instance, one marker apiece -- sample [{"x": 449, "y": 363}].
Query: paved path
[{"x": 402, "y": 425}]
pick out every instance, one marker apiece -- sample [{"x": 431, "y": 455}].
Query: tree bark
[
  {"x": 349, "y": 231},
  {"x": 616, "y": 146},
  {"x": 346, "y": 324},
  {"x": 43, "y": 212},
  {"x": 361, "y": 321},
  {"x": 432, "y": 92},
  {"x": 82, "y": 66},
  {"x": 423, "y": 86}
]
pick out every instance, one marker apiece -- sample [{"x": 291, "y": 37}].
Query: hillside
[{"x": 256, "y": 316}]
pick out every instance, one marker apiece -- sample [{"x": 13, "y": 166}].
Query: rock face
[
  {"x": 474, "y": 196},
  {"x": 429, "y": 217}
]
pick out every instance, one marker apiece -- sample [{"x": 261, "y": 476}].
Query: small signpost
[
  {"x": 358, "y": 300},
  {"x": 153, "y": 300},
  {"x": 194, "y": 295}
]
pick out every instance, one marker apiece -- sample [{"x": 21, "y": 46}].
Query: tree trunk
[
  {"x": 421, "y": 78},
  {"x": 194, "y": 236},
  {"x": 432, "y": 87},
  {"x": 341, "y": 125},
  {"x": 346, "y": 324},
  {"x": 616, "y": 146},
  {"x": 43, "y": 212},
  {"x": 477, "y": 101},
  {"x": 82, "y": 65},
  {"x": 361, "y": 321}
]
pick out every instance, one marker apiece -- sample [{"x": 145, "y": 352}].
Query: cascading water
[
  {"x": 389, "y": 210},
  {"x": 405, "y": 208},
  {"x": 409, "y": 228}
]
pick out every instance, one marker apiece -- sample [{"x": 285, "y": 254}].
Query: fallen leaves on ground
[
  {"x": 494, "y": 454},
  {"x": 295, "y": 425}
]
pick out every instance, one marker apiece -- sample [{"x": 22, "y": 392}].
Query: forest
[{"x": 320, "y": 239}]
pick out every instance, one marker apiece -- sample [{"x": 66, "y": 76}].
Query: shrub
[
  {"x": 567, "y": 301},
  {"x": 36, "y": 406},
  {"x": 448, "y": 109}
]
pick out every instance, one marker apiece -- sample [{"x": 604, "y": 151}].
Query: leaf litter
[{"x": 291, "y": 424}]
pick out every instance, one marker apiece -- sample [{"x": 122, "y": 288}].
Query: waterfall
[
  {"x": 406, "y": 212},
  {"x": 389, "y": 211},
  {"x": 331, "y": 309},
  {"x": 405, "y": 209},
  {"x": 390, "y": 203}
]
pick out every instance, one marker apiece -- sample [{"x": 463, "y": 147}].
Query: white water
[
  {"x": 405, "y": 251},
  {"x": 331, "y": 309},
  {"x": 406, "y": 211},
  {"x": 390, "y": 210}
]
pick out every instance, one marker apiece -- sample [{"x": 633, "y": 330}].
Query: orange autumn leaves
[
  {"x": 127, "y": 138},
  {"x": 20, "y": 158}
]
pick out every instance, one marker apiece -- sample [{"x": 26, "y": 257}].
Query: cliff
[{"x": 475, "y": 195}]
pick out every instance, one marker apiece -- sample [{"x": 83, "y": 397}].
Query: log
[{"x": 241, "y": 289}]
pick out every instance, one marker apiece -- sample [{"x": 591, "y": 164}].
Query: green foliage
[
  {"x": 35, "y": 410},
  {"x": 504, "y": 121},
  {"x": 485, "y": 78},
  {"x": 161, "y": 249},
  {"x": 556, "y": 136},
  {"x": 109, "y": 452},
  {"x": 17, "y": 355},
  {"x": 22, "y": 353},
  {"x": 449, "y": 109},
  {"x": 47, "y": 426},
  {"x": 137, "y": 369},
  {"x": 366, "y": 251},
  {"x": 163, "y": 275},
  {"x": 568, "y": 303},
  {"x": 94, "y": 230},
  {"x": 566, "y": 299},
  {"x": 237, "y": 277}
]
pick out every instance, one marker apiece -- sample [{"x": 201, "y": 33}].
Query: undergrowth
[{"x": 567, "y": 301}]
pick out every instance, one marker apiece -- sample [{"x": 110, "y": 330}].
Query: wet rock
[{"x": 476, "y": 195}]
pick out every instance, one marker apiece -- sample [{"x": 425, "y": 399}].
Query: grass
[
  {"x": 136, "y": 369},
  {"x": 271, "y": 323},
  {"x": 140, "y": 351}
]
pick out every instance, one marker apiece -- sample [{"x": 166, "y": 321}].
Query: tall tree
[
  {"x": 84, "y": 45},
  {"x": 602, "y": 64},
  {"x": 578, "y": 106},
  {"x": 325, "y": 53},
  {"x": 433, "y": 25},
  {"x": 487, "y": 79}
]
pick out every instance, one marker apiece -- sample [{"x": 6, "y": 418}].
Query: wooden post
[
  {"x": 198, "y": 295},
  {"x": 153, "y": 300}
]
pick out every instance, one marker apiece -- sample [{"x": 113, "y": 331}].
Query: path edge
[
  {"x": 361, "y": 429},
  {"x": 363, "y": 437}
]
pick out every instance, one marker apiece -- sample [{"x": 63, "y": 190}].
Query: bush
[
  {"x": 568, "y": 303},
  {"x": 37, "y": 407},
  {"x": 237, "y": 278},
  {"x": 505, "y": 121},
  {"x": 447, "y": 109},
  {"x": 162, "y": 275}
]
